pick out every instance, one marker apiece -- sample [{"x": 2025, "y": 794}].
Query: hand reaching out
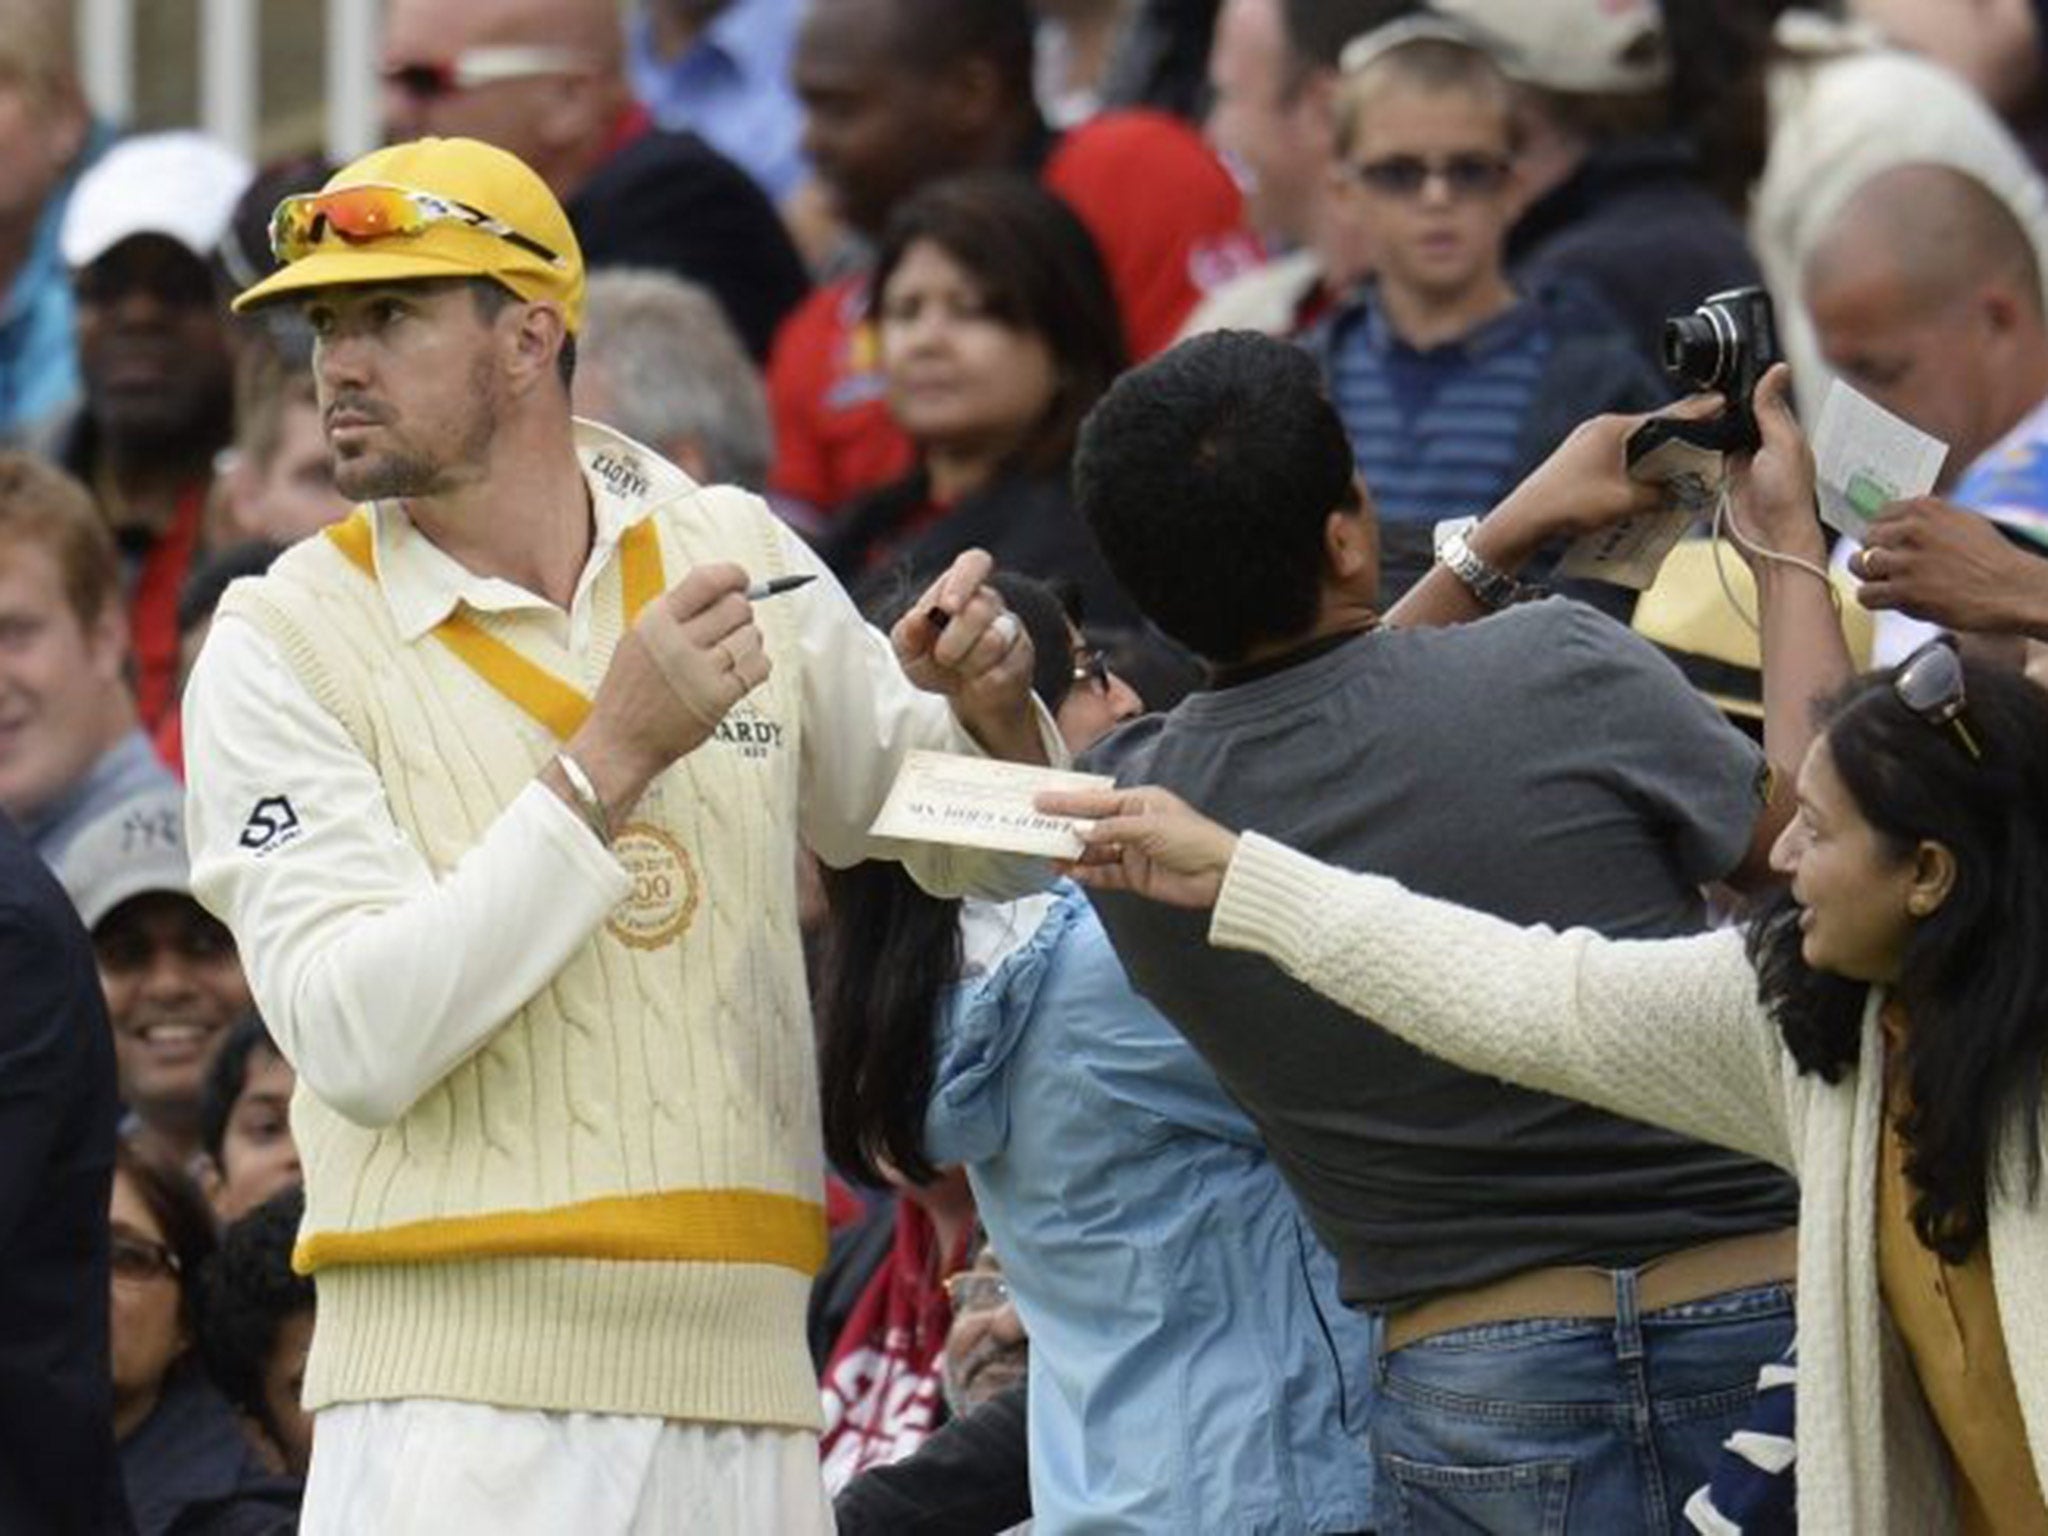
[{"x": 1147, "y": 841}]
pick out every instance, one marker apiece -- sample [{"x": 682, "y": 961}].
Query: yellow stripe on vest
[
  {"x": 641, "y": 577},
  {"x": 353, "y": 538},
  {"x": 689, "y": 1226},
  {"x": 559, "y": 706},
  {"x": 554, "y": 703}
]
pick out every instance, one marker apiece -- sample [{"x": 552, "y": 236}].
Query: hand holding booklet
[{"x": 980, "y": 802}]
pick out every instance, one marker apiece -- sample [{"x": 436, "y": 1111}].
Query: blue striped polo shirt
[{"x": 1437, "y": 431}]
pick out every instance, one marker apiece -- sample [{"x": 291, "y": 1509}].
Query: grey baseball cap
[{"x": 134, "y": 848}]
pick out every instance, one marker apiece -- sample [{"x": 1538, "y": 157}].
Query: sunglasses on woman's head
[{"x": 1930, "y": 683}]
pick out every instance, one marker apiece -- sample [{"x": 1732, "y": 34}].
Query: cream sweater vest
[{"x": 613, "y": 1206}]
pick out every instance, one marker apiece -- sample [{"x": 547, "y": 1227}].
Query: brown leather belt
[{"x": 1582, "y": 1290}]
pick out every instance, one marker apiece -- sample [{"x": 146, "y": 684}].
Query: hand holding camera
[{"x": 1726, "y": 346}]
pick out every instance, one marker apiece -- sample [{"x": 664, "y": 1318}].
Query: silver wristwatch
[{"x": 1493, "y": 588}]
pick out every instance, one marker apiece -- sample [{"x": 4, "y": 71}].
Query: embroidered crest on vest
[{"x": 659, "y": 908}]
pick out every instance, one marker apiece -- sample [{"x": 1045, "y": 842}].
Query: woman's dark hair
[
  {"x": 890, "y": 951},
  {"x": 176, "y": 1205},
  {"x": 1973, "y": 980},
  {"x": 1039, "y": 271}
]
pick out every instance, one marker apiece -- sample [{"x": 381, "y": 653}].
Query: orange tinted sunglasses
[{"x": 359, "y": 215}]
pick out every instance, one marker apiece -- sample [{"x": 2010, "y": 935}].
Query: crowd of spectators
[{"x": 1268, "y": 347}]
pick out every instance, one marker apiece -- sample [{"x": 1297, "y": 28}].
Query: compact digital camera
[{"x": 1725, "y": 345}]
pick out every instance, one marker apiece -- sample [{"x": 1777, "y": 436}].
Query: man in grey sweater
[{"x": 1578, "y": 1304}]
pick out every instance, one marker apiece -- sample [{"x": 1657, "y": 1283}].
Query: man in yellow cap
[{"x": 500, "y": 783}]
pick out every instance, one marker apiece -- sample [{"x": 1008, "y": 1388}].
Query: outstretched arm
[{"x": 1667, "y": 1031}]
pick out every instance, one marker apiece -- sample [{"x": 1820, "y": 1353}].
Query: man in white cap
[
  {"x": 501, "y": 783},
  {"x": 153, "y": 352},
  {"x": 1616, "y": 201},
  {"x": 174, "y": 986}
]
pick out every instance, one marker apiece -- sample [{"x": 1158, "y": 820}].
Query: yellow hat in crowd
[
  {"x": 432, "y": 208},
  {"x": 1687, "y": 614}
]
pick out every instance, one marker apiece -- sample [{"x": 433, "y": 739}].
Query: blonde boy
[{"x": 1451, "y": 384}]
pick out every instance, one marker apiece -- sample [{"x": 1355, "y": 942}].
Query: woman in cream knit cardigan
[{"x": 1880, "y": 1032}]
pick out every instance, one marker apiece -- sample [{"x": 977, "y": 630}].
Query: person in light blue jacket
[{"x": 1192, "y": 1369}]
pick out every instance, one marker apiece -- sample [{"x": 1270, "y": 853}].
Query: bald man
[
  {"x": 546, "y": 80},
  {"x": 1926, "y": 296}
]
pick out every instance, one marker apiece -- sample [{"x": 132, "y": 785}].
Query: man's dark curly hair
[{"x": 1208, "y": 475}]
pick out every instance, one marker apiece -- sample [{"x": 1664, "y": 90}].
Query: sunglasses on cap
[
  {"x": 430, "y": 80},
  {"x": 1471, "y": 175},
  {"x": 1930, "y": 683},
  {"x": 359, "y": 215}
]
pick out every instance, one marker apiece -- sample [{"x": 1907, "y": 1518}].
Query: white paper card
[
  {"x": 1630, "y": 552},
  {"x": 979, "y": 802},
  {"x": 1866, "y": 458}
]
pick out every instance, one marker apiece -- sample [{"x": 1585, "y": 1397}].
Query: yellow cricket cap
[{"x": 478, "y": 176}]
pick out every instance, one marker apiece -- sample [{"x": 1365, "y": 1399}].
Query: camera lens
[{"x": 1699, "y": 347}]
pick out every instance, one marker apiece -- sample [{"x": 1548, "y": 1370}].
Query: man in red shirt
[{"x": 898, "y": 93}]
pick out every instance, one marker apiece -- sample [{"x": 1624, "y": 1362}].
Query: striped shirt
[
  {"x": 1755, "y": 1489},
  {"x": 1438, "y": 432}
]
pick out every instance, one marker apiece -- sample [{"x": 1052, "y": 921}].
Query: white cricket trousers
[{"x": 422, "y": 1467}]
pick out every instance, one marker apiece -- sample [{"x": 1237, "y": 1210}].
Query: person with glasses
[
  {"x": 1879, "y": 1030},
  {"x": 1632, "y": 183},
  {"x": 499, "y": 782},
  {"x": 1191, "y": 1368},
  {"x": 1451, "y": 382},
  {"x": 185, "y": 1461},
  {"x": 986, "y": 1348},
  {"x": 548, "y": 83}
]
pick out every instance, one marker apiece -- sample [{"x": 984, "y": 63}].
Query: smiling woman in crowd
[
  {"x": 997, "y": 331},
  {"x": 1881, "y": 1031}
]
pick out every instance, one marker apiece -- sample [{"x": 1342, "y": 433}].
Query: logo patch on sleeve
[{"x": 272, "y": 823}]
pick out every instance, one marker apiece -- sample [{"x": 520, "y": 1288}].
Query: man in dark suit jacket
[{"x": 57, "y": 1119}]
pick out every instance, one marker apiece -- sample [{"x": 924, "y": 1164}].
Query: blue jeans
[{"x": 1550, "y": 1425}]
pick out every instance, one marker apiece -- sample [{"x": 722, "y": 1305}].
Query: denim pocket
[{"x": 1526, "y": 1498}]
